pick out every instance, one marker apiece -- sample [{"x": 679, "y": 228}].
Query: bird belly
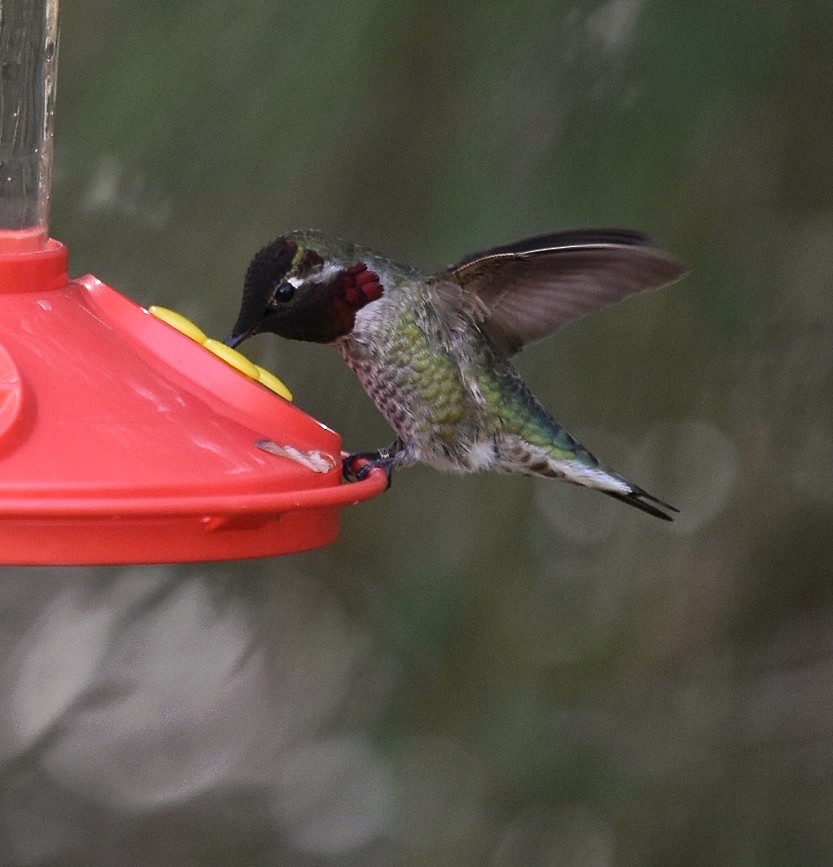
[{"x": 423, "y": 396}]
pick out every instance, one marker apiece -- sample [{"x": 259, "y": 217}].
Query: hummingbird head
[{"x": 300, "y": 292}]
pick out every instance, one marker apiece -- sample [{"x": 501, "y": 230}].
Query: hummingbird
[{"x": 433, "y": 351}]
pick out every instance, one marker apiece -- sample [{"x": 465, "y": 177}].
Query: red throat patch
[{"x": 360, "y": 286}]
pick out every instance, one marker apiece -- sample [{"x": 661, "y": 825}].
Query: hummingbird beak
[{"x": 234, "y": 340}]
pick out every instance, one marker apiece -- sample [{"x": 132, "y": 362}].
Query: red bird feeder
[{"x": 123, "y": 439}]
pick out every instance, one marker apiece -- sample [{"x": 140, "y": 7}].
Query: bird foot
[{"x": 369, "y": 461}]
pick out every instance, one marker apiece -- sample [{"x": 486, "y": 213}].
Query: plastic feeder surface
[{"x": 123, "y": 440}]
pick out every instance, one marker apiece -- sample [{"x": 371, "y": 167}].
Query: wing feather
[{"x": 524, "y": 291}]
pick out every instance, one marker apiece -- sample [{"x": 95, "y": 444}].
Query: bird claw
[{"x": 370, "y": 461}]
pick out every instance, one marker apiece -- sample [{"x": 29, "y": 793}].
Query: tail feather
[
  {"x": 594, "y": 475},
  {"x": 645, "y": 502},
  {"x": 516, "y": 454}
]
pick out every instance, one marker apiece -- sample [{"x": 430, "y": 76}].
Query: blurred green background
[{"x": 482, "y": 670}]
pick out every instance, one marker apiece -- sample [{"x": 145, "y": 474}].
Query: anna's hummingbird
[{"x": 433, "y": 351}]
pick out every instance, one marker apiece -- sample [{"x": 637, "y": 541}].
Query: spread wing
[{"x": 527, "y": 290}]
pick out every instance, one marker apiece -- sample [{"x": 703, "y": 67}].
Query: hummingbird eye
[{"x": 284, "y": 293}]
